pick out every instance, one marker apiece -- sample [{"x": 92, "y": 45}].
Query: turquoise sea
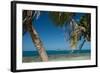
[{"x": 53, "y": 52}]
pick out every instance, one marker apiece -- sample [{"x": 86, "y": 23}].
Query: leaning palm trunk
[
  {"x": 80, "y": 47},
  {"x": 35, "y": 38}
]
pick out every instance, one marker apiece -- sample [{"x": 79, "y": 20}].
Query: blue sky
[{"x": 51, "y": 36}]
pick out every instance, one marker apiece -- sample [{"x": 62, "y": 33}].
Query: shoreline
[{"x": 59, "y": 57}]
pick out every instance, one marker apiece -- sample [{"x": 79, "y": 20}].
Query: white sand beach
[{"x": 61, "y": 57}]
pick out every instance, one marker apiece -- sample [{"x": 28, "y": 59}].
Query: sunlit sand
[{"x": 60, "y": 57}]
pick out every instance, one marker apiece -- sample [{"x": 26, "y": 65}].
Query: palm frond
[
  {"x": 60, "y": 18},
  {"x": 73, "y": 40},
  {"x": 85, "y": 22}
]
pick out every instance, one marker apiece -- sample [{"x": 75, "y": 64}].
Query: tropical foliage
[
  {"x": 63, "y": 20},
  {"x": 28, "y": 17},
  {"x": 78, "y": 29}
]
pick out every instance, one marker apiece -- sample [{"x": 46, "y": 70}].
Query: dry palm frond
[{"x": 74, "y": 40}]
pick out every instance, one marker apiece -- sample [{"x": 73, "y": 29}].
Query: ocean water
[{"x": 53, "y": 52}]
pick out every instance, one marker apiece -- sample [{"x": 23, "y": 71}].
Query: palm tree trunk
[
  {"x": 35, "y": 38},
  {"x": 80, "y": 47}
]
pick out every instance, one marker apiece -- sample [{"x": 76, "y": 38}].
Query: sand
[{"x": 61, "y": 57}]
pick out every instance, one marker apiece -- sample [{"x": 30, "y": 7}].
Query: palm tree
[
  {"x": 28, "y": 17},
  {"x": 83, "y": 30},
  {"x": 61, "y": 19},
  {"x": 85, "y": 22}
]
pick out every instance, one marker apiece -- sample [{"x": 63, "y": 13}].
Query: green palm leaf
[{"x": 60, "y": 18}]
